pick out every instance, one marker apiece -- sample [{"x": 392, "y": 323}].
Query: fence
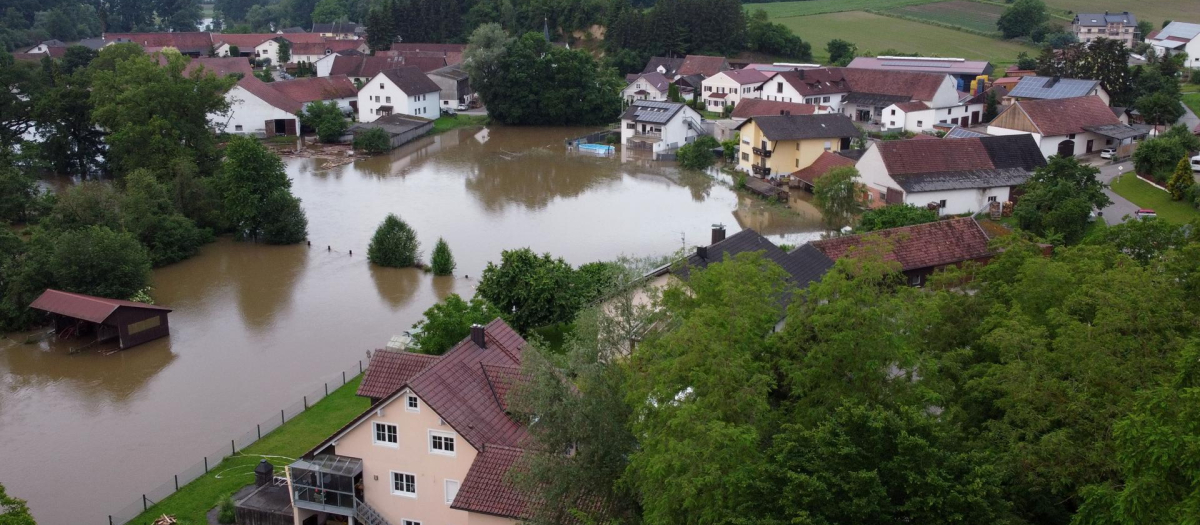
[{"x": 222, "y": 451}]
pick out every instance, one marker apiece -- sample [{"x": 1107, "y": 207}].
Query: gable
[{"x": 1014, "y": 118}]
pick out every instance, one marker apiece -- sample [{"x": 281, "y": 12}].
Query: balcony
[
  {"x": 326, "y": 483},
  {"x": 761, "y": 171},
  {"x": 762, "y": 152}
]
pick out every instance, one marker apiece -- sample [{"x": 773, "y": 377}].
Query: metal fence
[{"x": 221, "y": 451}]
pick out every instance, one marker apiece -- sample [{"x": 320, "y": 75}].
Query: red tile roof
[
  {"x": 86, "y": 307},
  {"x": 263, "y": 91},
  {"x": 824, "y": 162},
  {"x": 919, "y": 86},
  {"x": 311, "y": 89},
  {"x": 922, "y": 136},
  {"x": 411, "y": 80},
  {"x": 927, "y": 245},
  {"x": 1064, "y": 116},
  {"x": 244, "y": 41},
  {"x": 903, "y": 157},
  {"x": 319, "y": 48},
  {"x": 702, "y": 65},
  {"x": 915, "y": 105},
  {"x": 502, "y": 379},
  {"x": 485, "y": 488},
  {"x": 746, "y": 76},
  {"x": 390, "y": 370},
  {"x": 184, "y": 42},
  {"x": 369, "y": 66},
  {"x": 757, "y": 107},
  {"x": 419, "y": 46}
]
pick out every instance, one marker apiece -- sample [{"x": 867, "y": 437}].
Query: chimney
[
  {"x": 702, "y": 252},
  {"x": 718, "y": 233},
  {"x": 477, "y": 336},
  {"x": 263, "y": 473}
]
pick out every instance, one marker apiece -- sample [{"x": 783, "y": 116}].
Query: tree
[
  {"x": 373, "y": 140},
  {"x": 13, "y": 511},
  {"x": 697, "y": 155},
  {"x": 20, "y": 198},
  {"x": 285, "y": 51},
  {"x": 839, "y": 197},
  {"x": 1182, "y": 180},
  {"x": 530, "y": 291},
  {"x": 1059, "y": 198},
  {"x": 1022, "y": 17},
  {"x": 326, "y": 118},
  {"x": 99, "y": 261},
  {"x": 1060, "y": 39},
  {"x": 448, "y": 322},
  {"x": 894, "y": 216},
  {"x": 840, "y": 51},
  {"x": 381, "y": 28},
  {"x": 673, "y": 93},
  {"x": 1026, "y": 62},
  {"x": 485, "y": 48},
  {"x": 72, "y": 143},
  {"x": 328, "y": 11},
  {"x": 991, "y": 107},
  {"x": 233, "y": 51},
  {"x": 775, "y": 39},
  {"x": 89, "y": 203},
  {"x": 1159, "y": 108},
  {"x": 1144, "y": 28},
  {"x": 21, "y": 91},
  {"x": 256, "y": 193},
  {"x": 442, "y": 261},
  {"x": 1158, "y": 156},
  {"x": 148, "y": 213},
  {"x": 394, "y": 244}
]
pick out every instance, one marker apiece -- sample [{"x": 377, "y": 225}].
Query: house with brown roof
[
  {"x": 361, "y": 68},
  {"x": 1065, "y": 126},
  {"x": 952, "y": 176},
  {"x": 674, "y": 68},
  {"x": 647, "y": 86},
  {"x": 187, "y": 43},
  {"x": 758, "y": 107},
  {"x": 1177, "y": 37},
  {"x": 777, "y": 145},
  {"x": 307, "y": 90},
  {"x": 863, "y": 94},
  {"x": 404, "y": 90},
  {"x": 730, "y": 88},
  {"x": 433, "y": 448},
  {"x": 255, "y": 108},
  {"x": 806, "y": 178},
  {"x": 918, "y": 250},
  {"x": 311, "y": 52}
]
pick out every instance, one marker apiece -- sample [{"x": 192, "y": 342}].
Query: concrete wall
[{"x": 249, "y": 112}]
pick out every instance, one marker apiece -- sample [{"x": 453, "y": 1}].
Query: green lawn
[
  {"x": 817, "y": 7},
  {"x": 976, "y": 16},
  {"x": 874, "y": 33},
  {"x": 1192, "y": 100},
  {"x": 291, "y": 440},
  {"x": 1144, "y": 195},
  {"x": 447, "y": 123}
]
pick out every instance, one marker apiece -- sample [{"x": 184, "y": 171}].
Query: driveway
[{"x": 1115, "y": 213}]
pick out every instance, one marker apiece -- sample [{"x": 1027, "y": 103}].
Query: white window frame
[
  {"x": 444, "y": 435},
  {"x": 395, "y": 492},
  {"x": 375, "y": 435},
  {"x": 409, "y": 397},
  {"x": 446, "y": 489}
]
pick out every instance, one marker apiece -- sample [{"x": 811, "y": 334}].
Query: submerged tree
[
  {"x": 395, "y": 244},
  {"x": 442, "y": 261},
  {"x": 257, "y": 194},
  {"x": 838, "y": 196}
]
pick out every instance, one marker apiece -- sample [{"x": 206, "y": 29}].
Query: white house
[
  {"x": 1067, "y": 126},
  {"x": 918, "y": 117},
  {"x": 45, "y": 46},
  {"x": 257, "y": 109},
  {"x": 647, "y": 86},
  {"x": 659, "y": 126},
  {"x": 1175, "y": 38},
  {"x": 307, "y": 90},
  {"x": 728, "y": 88},
  {"x": 953, "y": 176},
  {"x": 405, "y": 90},
  {"x": 862, "y": 94}
]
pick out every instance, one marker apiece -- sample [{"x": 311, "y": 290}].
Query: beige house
[
  {"x": 432, "y": 449},
  {"x": 1113, "y": 26},
  {"x": 780, "y": 144}
]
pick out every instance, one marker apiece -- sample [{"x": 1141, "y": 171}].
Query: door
[
  {"x": 964, "y": 122},
  {"x": 1066, "y": 148},
  {"x": 974, "y": 117},
  {"x": 280, "y": 126},
  {"x": 1089, "y": 145}
]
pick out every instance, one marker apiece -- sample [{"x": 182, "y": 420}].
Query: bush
[
  {"x": 1158, "y": 156},
  {"x": 1181, "y": 181},
  {"x": 449, "y": 321},
  {"x": 98, "y": 261},
  {"x": 226, "y": 515},
  {"x": 284, "y": 220},
  {"x": 894, "y": 216},
  {"x": 530, "y": 290},
  {"x": 698, "y": 155},
  {"x": 373, "y": 140},
  {"x": 395, "y": 244},
  {"x": 442, "y": 260},
  {"x": 326, "y": 118}
]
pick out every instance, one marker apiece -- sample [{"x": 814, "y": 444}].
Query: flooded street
[{"x": 256, "y": 327}]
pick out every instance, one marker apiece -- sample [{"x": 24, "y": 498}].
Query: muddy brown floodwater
[{"x": 256, "y": 327}]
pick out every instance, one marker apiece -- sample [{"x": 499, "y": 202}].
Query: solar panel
[{"x": 1035, "y": 87}]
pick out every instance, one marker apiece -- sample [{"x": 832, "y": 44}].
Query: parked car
[
  {"x": 1145, "y": 213},
  {"x": 449, "y": 111},
  {"x": 462, "y": 106},
  {"x": 1108, "y": 153},
  {"x": 1196, "y": 163}
]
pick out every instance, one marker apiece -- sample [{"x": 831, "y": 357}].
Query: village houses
[
  {"x": 729, "y": 88},
  {"x": 659, "y": 126},
  {"x": 1041, "y": 88},
  {"x": 776, "y": 145},
  {"x": 646, "y": 86},
  {"x": 1121, "y": 27},
  {"x": 1066, "y": 126},
  {"x": 1177, "y": 37},
  {"x": 404, "y": 90},
  {"x": 864, "y": 94}
]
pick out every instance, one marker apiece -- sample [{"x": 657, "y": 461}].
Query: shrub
[
  {"x": 698, "y": 155},
  {"x": 1181, "y": 181},
  {"x": 449, "y": 321},
  {"x": 894, "y": 216},
  {"x": 98, "y": 261},
  {"x": 326, "y": 118},
  {"x": 373, "y": 140},
  {"x": 226, "y": 515},
  {"x": 284, "y": 220},
  {"x": 395, "y": 244},
  {"x": 442, "y": 260}
]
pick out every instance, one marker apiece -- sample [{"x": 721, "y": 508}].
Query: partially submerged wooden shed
[{"x": 79, "y": 315}]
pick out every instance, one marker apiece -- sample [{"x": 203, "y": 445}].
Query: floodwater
[{"x": 256, "y": 327}]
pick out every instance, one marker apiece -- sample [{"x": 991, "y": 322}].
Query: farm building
[
  {"x": 128, "y": 322},
  {"x": 962, "y": 69},
  {"x": 401, "y": 128}
]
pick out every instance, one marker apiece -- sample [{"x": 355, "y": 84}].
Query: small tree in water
[
  {"x": 373, "y": 140},
  {"x": 698, "y": 155},
  {"x": 442, "y": 260},
  {"x": 394, "y": 244},
  {"x": 838, "y": 196}
]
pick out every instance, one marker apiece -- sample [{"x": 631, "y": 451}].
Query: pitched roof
[
  {"x": 86, "y": 307},
  {"x": 959, "y": 132},
  {"x": 824, "y": 162},
  {"x": 275, "y": 98},
  {"x": 319, "y": 48},
  {"x": 702, "y": 65},
  {"x": 184, "y": 42},
  {"x": 984, "y": 162},
  {"x": 335, "y": 27},
  {"x": 410, "y": 80},
  {"x": 1064, "y": 116},
  {"x": 915, "y": 85},
  {"x": 926, "y": 245},
  {"x": 950, "y": 66},
  {"x": 670, "y": 65},
  {"x": 418, "y": 46},
  {"x": 655, "y": 79},
  {"x": 815, "y": 81},
  {"x": 485, "y": 488},
  {"x": 219, "y": 66},
  {"x": 915, "y": 105},
  {"x": 1103, "y": 19},
  {"x": 801, "y": 270},
  {"x": 757, "y": 107},
  {"x": 369, "y": 66},
  {"x": 1183, "y": 30},
  {"x": 244, "y": 41},
  {"x": 1052, "y": 87},
  {"x": 798, "y": 127},
  {"x": 312, "y": 89},
  {"x": 651, "y": 111},
  {"x": 746, "y": 76},
  {"x": 390, "y": 370}
]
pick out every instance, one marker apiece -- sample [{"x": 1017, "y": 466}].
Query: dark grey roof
[
  {"x": 1052, "y": 87},
  {"x": 335, "y": 27},
  {"x": 292, "y": 30},
  {"x": 852, "y": 154},
  {"x": 794, "y": 127},
  {"x": 692, "y": 81},
  {"x": 964, "y": 179},
  {"x": 411, "y": 80},
  {"x": 1103, "y": 19},
  {"x": 651, "y": 111},
  {"x": 1014, "y": 151},
  {"x": 959, "y": 132},
  {"x": 803, "y": 265},
  {"x": 874, "y": 99},
  {"x": 1115, "y": 131},
  {"x": 91, "y": 43},
  {"x": 669, "y": 64},
  {"x": 454, "y": 72},
  {"x": 393, "y": 124}
]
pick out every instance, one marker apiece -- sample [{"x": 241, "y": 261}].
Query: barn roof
[{"x": 86, "y": 307}]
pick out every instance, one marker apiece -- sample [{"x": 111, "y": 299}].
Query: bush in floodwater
[
  {"x": 442, "y": 260},
  {"x": 394, "y": 244},
  {"x": 226, "y": 513},
  {"x": 372, "y": 141},
  {"x": 698, "y": 155}
]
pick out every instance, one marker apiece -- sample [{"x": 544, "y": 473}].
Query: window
[
  {"x": 779, "y": 87},
  {"x": 745, "y": 156},
  {"x": 797, "y": 163},
  {"x": 1071, "y": 136},
  {"x": 409, "y": 522},
  {"x": 404, "y": 484},
  {"x": 828, "y": 145},
  {"x": 893, "y": 112},
  {"x": 385, "y": 434},
  {"x": 992, "y": 198},
  {"x": 942, "y": 203},
  {"x": 915, "y": 280},
  {"x": 630, "y": 126},
  {"x": 451, "y": 490},
  {"x": 825, "y": 99},
  {"x": 389, "y": 99},
  {"x": 948, "y": 111},
  {"x": 237, "y": 127},
  {"x": 411, "y": 404},
  {"x": 381, "y": 85},
  {"x": 920, "y": 123},
  {"x": 441, "y": 443}
]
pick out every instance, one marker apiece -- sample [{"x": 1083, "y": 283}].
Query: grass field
[
  {"x": 1192, "y": 101},
  {"x": 1153, "y": 10},
  {"x": 817, "y": 7},
  {"x": 447, "y": 123},
  {"x": 874, "y": 33},
  {"x": 289, "y": 441},
  {"x": 963, "y": 13},
  {"x": 1144, "y": 195}
]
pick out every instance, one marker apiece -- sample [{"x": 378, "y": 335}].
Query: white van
[{"x": 1196, "y": 163}]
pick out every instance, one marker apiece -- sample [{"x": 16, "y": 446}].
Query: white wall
[
  {"x": 380, "y": 91},
  {"x": 268, "y": 49},
  {"x": 324, "y": 65},
  {"x": 249, "y": 112},
  {"x": 675, "y": 133},
  {"x": 721, "y": 83},
  {"x": 639, "y": 84},
  {"x": 874, "y": 175},
  {"x": 972, "y": 200}
]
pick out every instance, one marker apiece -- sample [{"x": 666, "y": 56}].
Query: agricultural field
[
  {"x": 818, "y": 7},
  {"x": 874, "y": 33},
  {"x": 1153, "y": 10},
  {"x": 976, "y": 16}
]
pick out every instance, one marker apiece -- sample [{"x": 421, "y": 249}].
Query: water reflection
[
  {"x": 93, "y": 378},
  {"x": 396, "y": 286}
]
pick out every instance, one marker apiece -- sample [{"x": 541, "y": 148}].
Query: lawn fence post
[
  {"x": 360, "y": 366},
  {"x": 306, "y": 402},
  {"x": 344, "y": 377},
  {"x": 110, "y": 519},
  {"x": 327, "y": 389},
  {"x": 232, "y": 447},
  {"x": 145, "y": 506},
  {"x": 206, "y": 464},
  {"x": 259, "y": 430},
  {"x": 177, "y": 483}
]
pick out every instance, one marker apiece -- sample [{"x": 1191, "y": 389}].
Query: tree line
[{"x": 156, "y": 185}]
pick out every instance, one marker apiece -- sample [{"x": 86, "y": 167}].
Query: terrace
[{"x": 327, "y": 483}]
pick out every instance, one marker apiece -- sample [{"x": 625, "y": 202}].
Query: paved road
[{"x": 1115, "y": 213}]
